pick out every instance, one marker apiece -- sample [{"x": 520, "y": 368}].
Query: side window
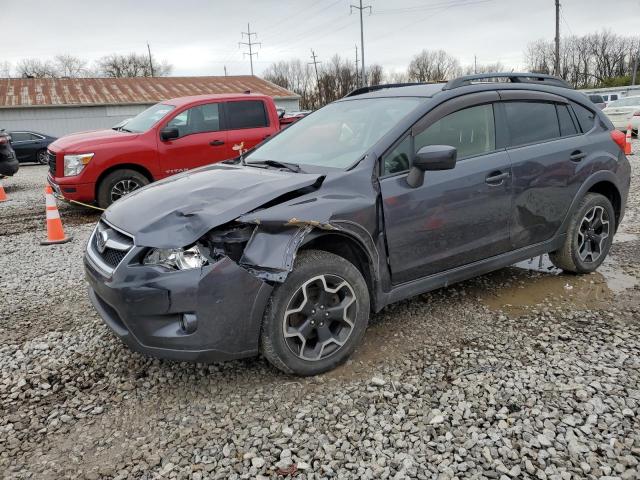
[
  {"x": 246, "y": 114},
  {"x": 471, "y": 131},
  {"x": 567, "y": 127},
  {"x": 531, "y": 122},
  {"x": 586, "y": 118},
  {"x": 20, "y": 136},
  {"x": 399, "y": 158},
  {"x": 200, "y": 119},
  {"x": 614, "y": 97}
]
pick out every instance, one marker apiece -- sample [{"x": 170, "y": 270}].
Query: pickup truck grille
[{"x": 52, "y": 162}]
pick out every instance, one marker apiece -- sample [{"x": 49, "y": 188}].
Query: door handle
[
  {"x": 577, "y": 156},
  {"x": 496, "y": 178},
  {"x": 216, "y": 143}
]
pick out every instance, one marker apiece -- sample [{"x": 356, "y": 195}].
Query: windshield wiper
[
  {"x": 292, "y": 167},
  {"x": 122, "y": 129}
]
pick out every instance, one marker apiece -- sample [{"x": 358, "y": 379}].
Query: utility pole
[
  {"x": 636, "y": 56},
  {"x": 361, "y": 8},
  {"x": 225, "y": 70},
  {"x": 475, "y": 64},
  {"x": 557, "y": 62},
  {"x": 250, "y": 44},
  {"x": 357, "y": 71},
  {"x": 150, "y": 61},
  {"x": 315, "y": 66}
]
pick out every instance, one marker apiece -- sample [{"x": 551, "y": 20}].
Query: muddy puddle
[{"x": 536, "y": 283}]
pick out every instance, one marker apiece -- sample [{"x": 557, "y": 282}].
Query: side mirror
[
  {"x": 431, "y": 158},
  {"x": 169, "y": 133}
]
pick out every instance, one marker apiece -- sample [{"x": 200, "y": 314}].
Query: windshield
[
  {"x": 626, "y": 102},
  {"x": 145, "y": 120},
  {"x": 338, "y": 134}
]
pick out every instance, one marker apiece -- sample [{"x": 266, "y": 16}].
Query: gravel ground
[{"x": 518, "y": 374}]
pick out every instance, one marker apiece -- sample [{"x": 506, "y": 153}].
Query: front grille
[
  {"x": 52, "y": 162},
  {"x": 114, "y": 249}
]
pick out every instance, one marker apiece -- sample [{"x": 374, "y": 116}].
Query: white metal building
[{"x": 59, "y": 106}]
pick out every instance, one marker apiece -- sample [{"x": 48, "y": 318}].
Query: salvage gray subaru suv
[{"x": 390, "y": 192}]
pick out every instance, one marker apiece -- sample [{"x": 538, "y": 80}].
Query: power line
[
  {"x": 250, "y": 44},
  {"x": 361, "y": 8}
]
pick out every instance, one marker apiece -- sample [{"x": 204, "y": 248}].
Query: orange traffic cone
[
  {"x": 627, "y": 145},
  {"x": 3, "y": 195},
  {"x": 55, "y": 233}
]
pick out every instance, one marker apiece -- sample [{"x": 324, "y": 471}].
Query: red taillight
[
  {"x": 3, "y": 140},
  {"x": 620, "y": 138}
]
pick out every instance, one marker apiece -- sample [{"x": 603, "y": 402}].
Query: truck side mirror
[
  {"x": 169, "y": 133},
  {"x": 431, "y": 158}
]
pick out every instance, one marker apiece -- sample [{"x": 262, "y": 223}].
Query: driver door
[
  {"x": 201, "y": 140},
  {"x": 457, "y": 216}
]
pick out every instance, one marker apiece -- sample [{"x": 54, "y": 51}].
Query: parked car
[
  {"x": 167, "y": 138},
  {"x": 8, "y": 161},
  {"x": 383, "y": 195},
  {"x": 625, "y": 112},
  {"x": 31, "y": 146},
  {"x": 611, "y": 97},
  {"x": 598, "y": 101}
]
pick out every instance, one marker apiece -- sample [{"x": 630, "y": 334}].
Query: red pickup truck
[{"x": 167, "y": 138}]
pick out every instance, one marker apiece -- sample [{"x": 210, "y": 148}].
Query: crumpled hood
[
  {"x": 177, "y": 211},
  {"x": 85, "y": 141}
]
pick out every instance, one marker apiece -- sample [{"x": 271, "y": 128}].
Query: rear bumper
[
  {"x": 201, "y": 315},
  {"x": 9, "y": 167},
  {"x": 80, "y": 192}
]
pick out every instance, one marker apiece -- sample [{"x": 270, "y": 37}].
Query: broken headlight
[{"x": 176, "y": 258}]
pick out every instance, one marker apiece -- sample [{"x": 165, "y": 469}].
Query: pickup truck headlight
[
  {"x": 74, "y": 164},
  {"x": 176, "y": 258}
]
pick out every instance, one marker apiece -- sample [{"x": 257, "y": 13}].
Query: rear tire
[
  {"x": 589, "y": 236},
  {"x": 118, "y": 184},
  {"x": 41, "y": 157},
  {"x": 317, "y": 317}
]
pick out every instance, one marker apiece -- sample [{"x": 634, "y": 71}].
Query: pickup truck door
[
  {"x": 202, "y": 140},
  {"x": 248, "y": 123}
]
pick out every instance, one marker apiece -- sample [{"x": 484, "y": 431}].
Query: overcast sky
[{"x": 200, "y": 37}]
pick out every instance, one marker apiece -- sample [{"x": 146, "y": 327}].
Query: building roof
[{"x": 53, "y": 92}]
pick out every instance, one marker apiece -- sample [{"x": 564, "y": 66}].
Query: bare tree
[
  {"x": 35, "y": 68},
  {"x": 433, "y": 65},
  {"x": 70, "y": 66},
  {"x": 375, "y": 74},
  {"x": 131, "y": 65},
  {"x": 5, "y": 69}
]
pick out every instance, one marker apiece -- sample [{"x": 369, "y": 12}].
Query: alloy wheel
[
  {"x": 122, "y": 188},
  {"x": 592, "y": 234},
  {"x": 43, "y": 158},
  {"x": 320, "y": 317}
]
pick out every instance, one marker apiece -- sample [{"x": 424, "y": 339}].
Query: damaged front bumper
[{"x": 208, "y": 314}]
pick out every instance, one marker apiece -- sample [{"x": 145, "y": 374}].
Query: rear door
[
  {"x": 202, "y": 139},
  {"x": 248, "y": 124},
  {"x": 25, "y": 145},
  {"x": 548, "y": 152},
  {"x": 457, "y": 216}
]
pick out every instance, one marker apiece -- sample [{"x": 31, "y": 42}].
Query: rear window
[
  {"x": 567, "y": 127},
  {"x": 246, "y": 114},
  {"x": 531, "y": 122},
  {"x": 596, "y": 98},
  {"x": 586, "y": 118}
]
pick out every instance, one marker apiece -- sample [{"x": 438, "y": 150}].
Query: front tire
[
  {"x": 118, "y": 184},
  {"x": 317, "y": 317},
  {"x": 589, "y": 236}
]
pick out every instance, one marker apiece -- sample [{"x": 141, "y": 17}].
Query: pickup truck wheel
[
  {"x": 589, "y": 236},
  {"x": 317, "y": 317},
  {"x": 118, "y": 184}
]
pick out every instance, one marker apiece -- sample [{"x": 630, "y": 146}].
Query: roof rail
[
  {"x": 373, "y": 88},
  {"x": 513, "y": 77}
]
